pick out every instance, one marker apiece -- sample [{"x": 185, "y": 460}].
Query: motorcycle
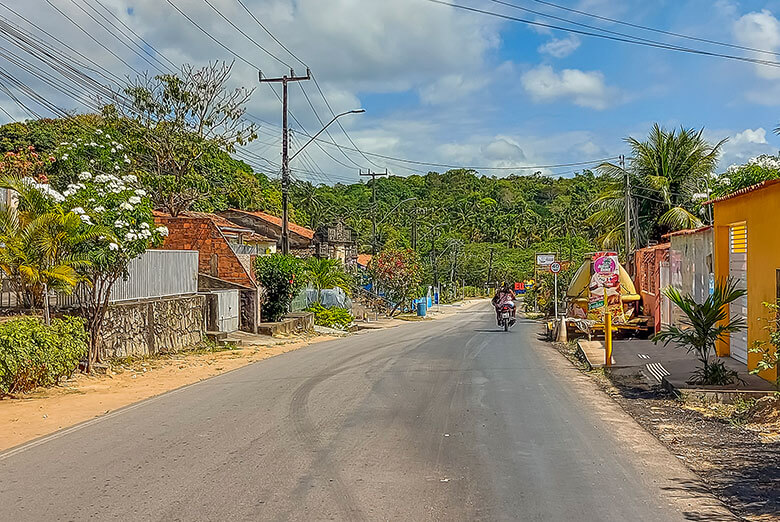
[{"x": 505, "y": 313}]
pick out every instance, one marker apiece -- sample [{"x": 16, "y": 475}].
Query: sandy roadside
[{"x": 84, "y": 397}]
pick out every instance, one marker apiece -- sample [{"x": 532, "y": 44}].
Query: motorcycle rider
[{"x": 505, "y": 296}]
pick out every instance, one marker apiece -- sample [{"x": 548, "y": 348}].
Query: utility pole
[
  {"x": 413, "y": 234},
  {"x": 284, "y": 80},
  {"x": 627, "y": 204},
  {"x": 490, "y": 270},
  {"x": 374, "y": 175}
]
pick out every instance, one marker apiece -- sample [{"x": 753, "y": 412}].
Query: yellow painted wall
[{"x": 760, "y": 210}]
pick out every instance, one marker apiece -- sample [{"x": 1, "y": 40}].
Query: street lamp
[{"x": 286, "y": 180}]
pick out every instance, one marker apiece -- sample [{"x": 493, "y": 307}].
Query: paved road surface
[{"x": 444, "y": 420}]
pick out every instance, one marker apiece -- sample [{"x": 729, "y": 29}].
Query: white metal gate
[
  {"x": 738, "y": 271},
  {"x": 227, "y": 310}
]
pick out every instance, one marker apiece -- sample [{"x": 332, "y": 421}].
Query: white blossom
[
  {"x": 64, "y": 157},
  {"x": 85, "y": 218},
  {"x": 78, "y": 210},
  {"x": 130, "y": 178},
  {"x": 98, "y": 131},
  {"x": 140, "y": 192},
  {"x": 126, "y": 206},
  {"x": 162, "y": 230},
  {"x": 85, "y": 176},
  {"x": 144, "y": 225},
  {"x": 134, "y": 200},
  {"x": 113, "y": 246},
  {"x": 131, "y": 236},
  {"x": 99, "y": 209}
]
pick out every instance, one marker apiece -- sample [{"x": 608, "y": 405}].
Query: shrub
[
  {"x": 281, "y": 277},
  {"x": 331, "y": 317},
  {"x": 33, "y": 354}
]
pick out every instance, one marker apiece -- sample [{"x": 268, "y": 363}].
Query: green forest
[
  {"x": 181, "y": 142},
  {"x": 456, "y": 220}
]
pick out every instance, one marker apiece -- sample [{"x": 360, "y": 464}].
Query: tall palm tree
[{"x": 665, "y": 171}]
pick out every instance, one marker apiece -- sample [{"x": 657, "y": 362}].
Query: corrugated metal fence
[
  {"x": 159, "y": 273},
  {"x": 154, "y": 274}
]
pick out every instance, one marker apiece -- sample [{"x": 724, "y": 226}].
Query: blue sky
[{"x": 445, "y": 86}]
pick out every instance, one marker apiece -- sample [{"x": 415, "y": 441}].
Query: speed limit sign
[{"x": 555, "y": 267}]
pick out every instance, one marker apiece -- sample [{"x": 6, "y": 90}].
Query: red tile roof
[
  {"x": 687, "y": 231},
  {"x": 743, "y": 191},
  {"x": 301, "y": 231},
  {"x": 364, "y": 259}
]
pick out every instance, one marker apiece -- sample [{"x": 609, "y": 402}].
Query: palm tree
[
  {"x": 703, "y": 326},
  {"x": 665, "y": 171},
  {"x": 323, "y": 273},
  {"x": 37, "y": 244}
]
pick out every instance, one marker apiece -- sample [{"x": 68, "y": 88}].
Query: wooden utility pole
[
  {"x": 490, "y": 270},
  {"x": 374, "y": 175},
  {"x": 284, "y": 80},
  {"x": 627, "y": 204}
]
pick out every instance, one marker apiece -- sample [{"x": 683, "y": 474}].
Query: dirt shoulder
[
  {"x": 734, "y": 449},
  {"x": 83, "y": 397}
]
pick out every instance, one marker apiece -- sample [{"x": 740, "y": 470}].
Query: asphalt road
[{"x": 441, "y": 420}]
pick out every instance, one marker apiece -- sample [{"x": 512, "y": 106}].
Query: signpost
[
  {"x": 606, "y": 278},
  {"x": 555, "y": 267}
]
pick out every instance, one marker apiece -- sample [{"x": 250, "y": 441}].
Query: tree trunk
[{"x": 46, "y": 315}]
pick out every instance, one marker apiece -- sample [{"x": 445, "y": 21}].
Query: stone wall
[{"x": 154, "y": 326}]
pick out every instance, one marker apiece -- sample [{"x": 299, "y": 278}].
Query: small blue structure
[{"x": 422, "y": 307}]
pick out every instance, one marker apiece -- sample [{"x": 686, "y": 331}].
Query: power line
[
  {"x": 237, "y": 28},
  {"x": 655, "y": 30},
  {"x": 632, "y": 40},
  {"x": 93, "y": 38}
]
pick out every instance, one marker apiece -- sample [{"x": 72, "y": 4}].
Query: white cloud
[
  {"x": 742, "y": 145},
  {"x": 584, "y": 88},
  {"x": 760, "y": 31},
  {"x": 451, "y": 87},
  {"x": 750, "y": 136},
  {"x": 560, "y": 47}
]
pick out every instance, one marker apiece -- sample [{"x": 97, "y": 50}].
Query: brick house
[
  {"x": 220, "y": 267},
  {"x": 302, "y": 240}
]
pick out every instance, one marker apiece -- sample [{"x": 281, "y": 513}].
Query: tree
[
  {"x": 108, "y": 196},
  {"x": 665, "y": 172},
  {"x": 281, "y": 278},
  {"x": 703, "y": 326},
  {"x": 38, "y": 239},
  {"x": 398, "y": 273},
  {"x": 736, "y": 177},
  {"x": 324, "y": 273},
  {"x": 176, "y": 119}
]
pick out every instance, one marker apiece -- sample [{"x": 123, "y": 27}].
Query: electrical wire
[
  {"x": 655, "y": 30},
  {"x": 632, "y": 40}
]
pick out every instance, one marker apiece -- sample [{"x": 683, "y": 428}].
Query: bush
[
  {"x": 331, "y": 317},
  {"x": 281, "y": 276},
  {"x": 33, "y": 354}
]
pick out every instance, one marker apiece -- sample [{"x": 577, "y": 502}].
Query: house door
[{"x": 738, "y": 271}]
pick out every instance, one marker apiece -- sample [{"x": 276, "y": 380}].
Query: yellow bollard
[{"x": 608, "y": 338}]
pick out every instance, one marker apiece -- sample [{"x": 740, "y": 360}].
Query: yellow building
[{"x": 747, "y": 248}]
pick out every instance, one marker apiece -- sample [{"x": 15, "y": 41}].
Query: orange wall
[{"x": 760, "y": 210}]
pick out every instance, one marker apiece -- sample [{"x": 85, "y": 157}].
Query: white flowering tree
[{"x": 105, "y": 192}]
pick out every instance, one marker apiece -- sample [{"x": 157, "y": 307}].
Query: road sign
[
  {"x": 555, "y": 267},
  {"x": 543, "y": 260}
]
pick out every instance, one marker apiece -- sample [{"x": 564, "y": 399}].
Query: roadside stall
[{"x": 602, "y": 278}]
